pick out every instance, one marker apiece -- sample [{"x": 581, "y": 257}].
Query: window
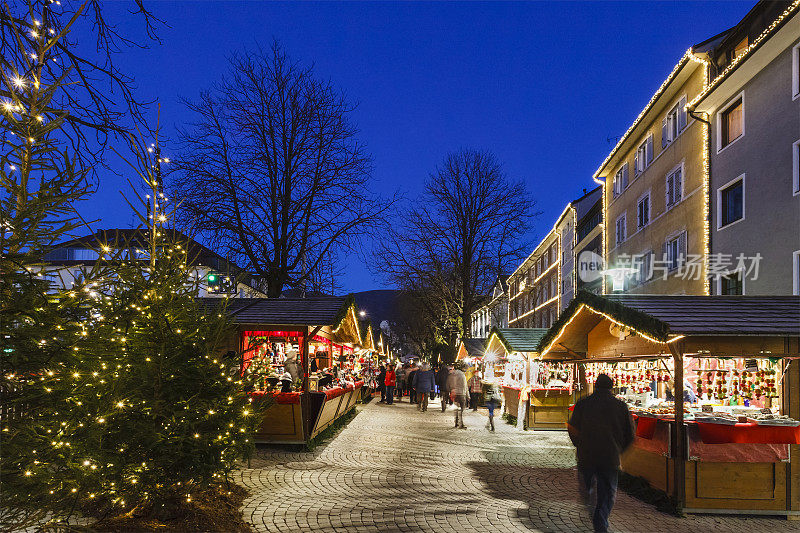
[
  {"x": 730, "y": 201},
  {"x": 644, "y": 266},
  {"x": 796, "y": 273},
  {"x": 644, "y": 156},
  {"x": 674, "y": 189},
  {"x": 620, "y": 180},
  {"x": 739, "y": 49},
  {"x": 643, "y": 211},
  {"x": 674, "y": 123},
  {"x": 730, "y": 122},
  {"x": 621, "y": 228},
  {"x": 731, "y": 285},
  {"x": 796, "y": 71},
  {"x": 796, "y": 167},
  {"x": 676, "y": 250}
]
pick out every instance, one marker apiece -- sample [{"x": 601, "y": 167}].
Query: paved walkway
[{"x": 395, "y": 469}]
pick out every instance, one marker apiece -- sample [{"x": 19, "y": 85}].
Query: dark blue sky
[{"x": 542, "y": 85}]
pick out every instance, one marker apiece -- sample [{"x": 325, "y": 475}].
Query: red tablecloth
[
  {"x": 748, "y": 433},
  {"x": 283, "y": 398},
  {"x": 334, "y": 393},
  {"x": 645, "y": 426}
]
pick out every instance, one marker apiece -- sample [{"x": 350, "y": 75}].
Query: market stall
[
  {"x": 539, "y": 389},
  {"x": 713, "y": 385},
  {"x": 298, "y": 350}
]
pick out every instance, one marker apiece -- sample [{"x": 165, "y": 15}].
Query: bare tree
[
  {"x": 468, "y": 226},
  {"x": 271, "y": 172},
  {"x": 74, "y": 44}
]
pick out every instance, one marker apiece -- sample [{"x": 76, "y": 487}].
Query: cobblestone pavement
[{"x": 395, "y": 469}]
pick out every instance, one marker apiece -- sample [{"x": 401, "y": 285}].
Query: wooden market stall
[
  {"x": 279, "y": 338},
  {"x": 543, "y": 384},
  {"x": 471, "y": 349},
  {"x": 727, "y": 442}
]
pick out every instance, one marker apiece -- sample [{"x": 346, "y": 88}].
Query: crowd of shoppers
[{"x": 421, "y": 383}]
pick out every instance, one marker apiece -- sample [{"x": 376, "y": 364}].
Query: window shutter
[
  {"x": 682, "y": 114},
  {"x": 682, "y": 244},
  {"x": 636, "y": 164},
  {"x": 669, "y": 194},
  {"x": 625, "y": 175},
  {"x": 664, "y": 133},
  {"x": 678, "y": 185},
  {"x": 649, "y": 149}
]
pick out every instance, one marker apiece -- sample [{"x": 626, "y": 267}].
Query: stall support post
[
  {"x": 305, "y": 404},
  {"x": 680, "y": 429}
]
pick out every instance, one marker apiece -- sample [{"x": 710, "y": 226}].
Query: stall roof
[
  {"x": 316, "y": 311},
  {"x": 474, "y": 347},
  {"x": 524, "y": 340},
  {"x": 720, "y": 315},
  {"x": 662, "y": 318}
]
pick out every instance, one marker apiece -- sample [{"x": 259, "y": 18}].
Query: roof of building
[
  {"x": 317, "y": 311},
  {"x": 133, "y": 238},
  {"x": 475, "y": 347},
  {"x": 523, "y": 340}
]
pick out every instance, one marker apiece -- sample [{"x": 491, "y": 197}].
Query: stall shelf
[{"x": 706, "y": 466}]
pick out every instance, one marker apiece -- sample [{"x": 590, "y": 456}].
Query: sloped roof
[
  {"x": 475, "y": 347},
  {"x": 317, "y": 311},
  {"x": 523, "y": 340},
  {"x": 719, "y": 315}
]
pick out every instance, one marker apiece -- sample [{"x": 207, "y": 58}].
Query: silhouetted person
[
  {"x": 601, "y": 428},
  {"x": 382, "y": 383}
]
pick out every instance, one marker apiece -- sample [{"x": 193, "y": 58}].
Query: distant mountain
[{"x": 380, "y": 305}]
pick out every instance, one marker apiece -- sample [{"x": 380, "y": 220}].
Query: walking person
[
  {"x": 441, "y": 380},
  {"x": 382, "y": 383},
  {"x": 475, "y": 386},
  {"x": 424, "y": 381},
  {"x": 601, "y": 428},
  {"x": 457, "y": 385},
  {"x": 389, "y": 382},
  {"x": 412, "y": 390},
  {"x": 494, "y": 399},
  {"x": 399, "y": 374}
]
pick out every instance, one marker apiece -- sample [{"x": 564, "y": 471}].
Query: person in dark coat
[
  {"x": 382, "y": 384},
  {"x": 441, "y": 380},
  {"x": 424, "y": 381},
  {"x": 601, "y": 428}
]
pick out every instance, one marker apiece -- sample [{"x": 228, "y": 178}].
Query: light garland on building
[{"x": 710, "y": 85}]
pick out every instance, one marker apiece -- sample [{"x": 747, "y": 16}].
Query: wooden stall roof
[
  {"x": 523, "y": 340},
  {"x": 335, "y": 312},
  {"x": 661, "y": 319},
  {"x": 367, "y": 338},
  {"x": 472, "y": 347}
]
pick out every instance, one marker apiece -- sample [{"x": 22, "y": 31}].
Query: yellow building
[
  {"x": 533, "y": 288},
  {"x": 655, "y": 191}
]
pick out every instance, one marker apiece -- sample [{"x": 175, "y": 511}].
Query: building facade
[
  {"x": 573, "y": 228},
  {"x": 68, "y": 262},
  {"x": 534, "y": 287},
  {"x": 654, "y": 191},
  {"x": 589, "y": 238},
  {"x": 494, "y": 312},
  {"x": 753, "y": 110}
]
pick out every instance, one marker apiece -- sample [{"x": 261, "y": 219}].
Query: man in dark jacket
[
  {"x": 382, "y": 383},
  {"x": 423, "y": 383},
  {"x": 601, "y": 428}
]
